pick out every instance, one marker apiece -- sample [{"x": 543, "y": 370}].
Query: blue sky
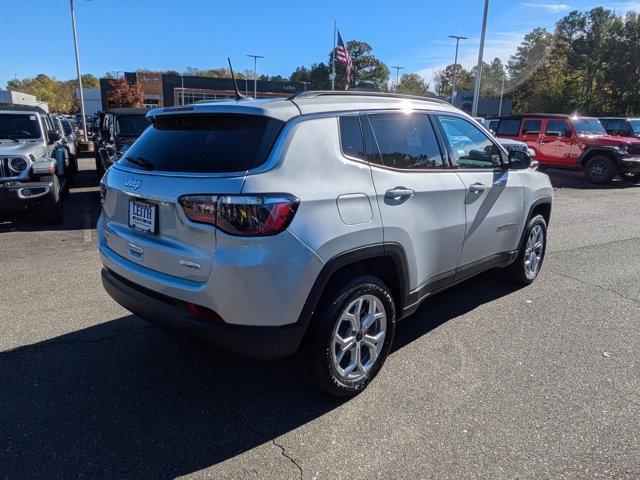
[{"x": 122, "y": 35}]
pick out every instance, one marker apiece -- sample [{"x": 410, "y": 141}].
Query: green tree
[
  {"x": 443, "y": 79},
  {"x": 368, "y": 72},
  {"x": 48, "y": 89},
  {"x": 317, "y": 75},
  {"x": 413, "y": 84}
]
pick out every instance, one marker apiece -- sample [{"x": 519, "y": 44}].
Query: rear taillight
[{"x": 242, "y": 215}]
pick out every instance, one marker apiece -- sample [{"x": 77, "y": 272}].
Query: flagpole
[{"x": 333, "y": 57}]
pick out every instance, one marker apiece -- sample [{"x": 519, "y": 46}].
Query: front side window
[
  {"x": 508, "y": 127},
  {"x": 351, "y": 137},
  {"x": 15, "y": 126},
  {"x": 405, "y": 141},
  {"x": 557, "y": 128},
  {"x": 470, "y": 146},
  {"x": 589, "y": 126}
]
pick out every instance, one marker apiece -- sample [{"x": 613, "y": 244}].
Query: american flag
[{"x": 342, "y": 55}]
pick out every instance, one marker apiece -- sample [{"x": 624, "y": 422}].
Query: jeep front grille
[{"x": 634, "y": 149}]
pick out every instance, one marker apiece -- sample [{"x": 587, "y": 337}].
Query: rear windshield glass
[
  {"x": 635, "y": 124},
  {"x": 14, "y": 126},
  {"x": 204, "y": 143}
]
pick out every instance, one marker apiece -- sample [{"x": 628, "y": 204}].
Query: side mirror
[
  {"x": 519, "y": 160},
  {"x": 567, "y": 133},
  {"x": 53, "y": 137}
]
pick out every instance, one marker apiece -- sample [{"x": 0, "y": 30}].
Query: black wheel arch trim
[
  {"x": 393, "y": 251},
  {"x": 537, "y": 202},
  {"x": 608, "y": 150}
]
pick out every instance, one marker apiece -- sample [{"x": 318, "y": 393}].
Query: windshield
[
  {"x": 204, "y": 143},
  {"x": 590, "y": 126},
  {"x": 131, "y": 125},
  {"x": 635, "y": 124},
  {"x": 21, "y": 125}
]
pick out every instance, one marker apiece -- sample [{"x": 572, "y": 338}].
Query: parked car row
[
  {"x": 38, "y": 160},
  {"x": 601, "y": 147}
]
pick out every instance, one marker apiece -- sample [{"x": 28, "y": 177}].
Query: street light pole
[
  {"x": 504, "y": 74},
  {"x": 398, "y": 76},
  {"x": 305, "y": 85},
  {"x": 476, "y": 91},
  {"x": 255, "y": 74},
  {"x": 455, "y": 65},
  {"x": 75, "y": 45}
]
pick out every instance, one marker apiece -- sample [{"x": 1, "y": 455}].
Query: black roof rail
[{"x": 361, "y": 93}]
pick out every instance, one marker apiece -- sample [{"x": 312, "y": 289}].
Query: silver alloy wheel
[
  {"x": 358, "y": 337},
  {"x": 534, "y": 250}
]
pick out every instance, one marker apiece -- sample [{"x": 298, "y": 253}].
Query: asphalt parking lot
[{"x": 485, "y": 381}]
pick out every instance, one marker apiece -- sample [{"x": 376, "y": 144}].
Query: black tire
[
  {"x": 99, "y": 168},
  {"x": 517, "y": 271},
  {"x": 315, "y": 357},
  {"x": 600, "y": 169},
  {"x": 51, "y": 212}
]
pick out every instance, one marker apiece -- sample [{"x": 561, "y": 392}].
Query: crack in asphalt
[
  {"x": 286, "y": 455},
  {"x": 583, "y": 282},
  {"x": 592, "y": 245},
  {"x": 236, "y": 416}
]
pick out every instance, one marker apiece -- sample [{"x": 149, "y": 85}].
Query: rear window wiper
[{"x": 143, "y": 162}]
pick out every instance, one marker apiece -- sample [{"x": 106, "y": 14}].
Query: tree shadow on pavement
[
  {"x": 124, "y": 399},
  {"x": 575, "y": 180}
]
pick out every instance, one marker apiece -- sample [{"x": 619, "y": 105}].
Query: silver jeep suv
[{"x": 311, "y": 225}]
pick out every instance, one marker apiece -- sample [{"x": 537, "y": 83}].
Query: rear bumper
[
  {"x": 16, "y": 196},
  {"x": 171, "y": 314}
]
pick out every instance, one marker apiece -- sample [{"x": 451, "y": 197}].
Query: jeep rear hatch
[{"x": 204, "y": 143}]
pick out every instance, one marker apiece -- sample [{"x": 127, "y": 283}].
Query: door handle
[
  {"x": 398, "y": 192},
  {"x": 478, "y": 187}
]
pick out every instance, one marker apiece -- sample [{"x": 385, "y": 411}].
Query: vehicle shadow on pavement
[
  {"x": 81, "y": 209},
  {"x": 125, "y": 399},
  {"x": 575, "y": 179},
  {"x": 457, "y": 301}
]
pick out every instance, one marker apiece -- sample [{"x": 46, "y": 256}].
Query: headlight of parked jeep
[
  {"x": 17, "y": 164},
  {"x": 622, "y": 150}
]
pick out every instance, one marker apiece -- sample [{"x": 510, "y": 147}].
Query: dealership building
[{"x": 166, "y": 89}]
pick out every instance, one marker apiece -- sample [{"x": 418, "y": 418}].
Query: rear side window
[
  {"x": 508, "y": 127},
  {"x": 351, "y": 137},
  {"x": 405, "y": 141},
  {"x": 204, "y": 143},
  {"x": 531, "y": 127}
]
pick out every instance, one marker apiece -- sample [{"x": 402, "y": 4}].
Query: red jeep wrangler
[{"x": 567, "y": 141}]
